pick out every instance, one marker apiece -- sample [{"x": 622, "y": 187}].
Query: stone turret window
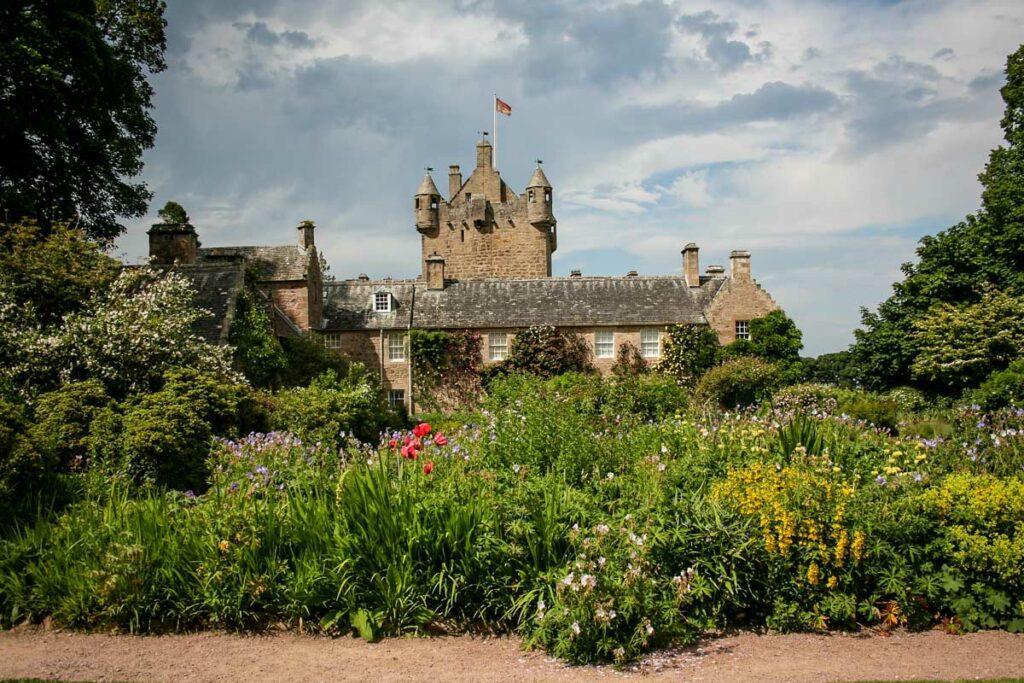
[
  {"x": 417, "y": 203},
  {"x": 382, "y": 302},
  {"x": 547, "y": 196},
  {"x": 533, "y": 198},
  {"x": 743, "y": 329},
  {"x": 433, "y": 202}
]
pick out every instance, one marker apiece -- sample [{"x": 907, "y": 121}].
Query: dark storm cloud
[
  {"x": 259, "y": 33},
  {"x": 987, "y": 81},
  {"x": 719, "y": 44}
]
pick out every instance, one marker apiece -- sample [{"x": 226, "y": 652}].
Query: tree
[
  {"x": 74, "y": 109},
  {"x": 689, "y": 351},
  {"x": 173, "y": 212},
  {"x": 958, "y": 346},
  {"x": 775, "y": 338},
  {"x": 53, "y": 272},
  {"x": 987, "y": 246}
]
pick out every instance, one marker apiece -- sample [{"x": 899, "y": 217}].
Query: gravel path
[{"x": 34, "y": 652}]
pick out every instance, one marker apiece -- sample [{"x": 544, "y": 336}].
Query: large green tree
[
  {"x": 987, "y": 246},
  {"x": 74, "y": 109}
]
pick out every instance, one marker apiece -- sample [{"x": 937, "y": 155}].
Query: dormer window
[{"x": 382, "y": 302}]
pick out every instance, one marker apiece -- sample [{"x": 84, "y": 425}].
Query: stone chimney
[
  {"x": 484, "y": 154},
  {"x": 454, "y": 181},
  {"x": 739, "y": 265},
  {"x": 306, "y": 229},
  {"x": 716, "y": 272},
  {"x": 575, "y": 273},
  {"x": 173, "y": 242},
  {"x": 691, "y": 265},
  {"x": 435, "y": 272}
]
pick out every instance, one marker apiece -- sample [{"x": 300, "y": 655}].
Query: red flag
[{"x": 502, "y": 107}]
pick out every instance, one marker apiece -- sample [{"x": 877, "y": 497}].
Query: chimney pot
[
  {"x": 691, "y": 265},
  {"x": 631, "y": 273},
  {"x": 435, "y": 272},
  {"x": 306, "y": 230},
  {"x": 454, "y": 181},
  {"x": 739, "y": 262},
  {"x": 575, "y": 273}
]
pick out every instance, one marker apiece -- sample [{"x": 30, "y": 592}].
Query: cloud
[
  {"x": 825, "y": 136},
  {"x": 719, "y": 47}
]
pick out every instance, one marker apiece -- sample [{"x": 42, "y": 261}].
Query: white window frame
[
  {"x": 497, "y": 346},
  {"x": 604, "y": 344},
  {"x": 396, "y": 347},
  {"x": 646, "y": 341},
  {"x": 332, "y": 341},
  {"x": 382, "y": 302},
  {"x": 396, "y": 397},
  {"x": 743, "y": 329}
]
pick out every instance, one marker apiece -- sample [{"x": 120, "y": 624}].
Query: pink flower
[
  {"x": 405, "y": 451},
  {"x": 428, "y": 467},
  {"x": 440, "y": 439}
]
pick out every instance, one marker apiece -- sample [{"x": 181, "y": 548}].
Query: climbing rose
[
  {"x": 422, "y": 429},
  {"x": 428, "y": 467},
  {"x": 440, "y": 439}
]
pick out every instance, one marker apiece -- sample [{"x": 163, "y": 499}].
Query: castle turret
[
  {"x": 538, "y": 200},
  {"x": 428, "y": 202}
]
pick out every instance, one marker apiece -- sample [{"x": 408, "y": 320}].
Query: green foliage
[
  {"x": 21, "y": 465},
  {"x": 629, "y": 362},
  {"x": 446, "y": 368},
  {"x": 258, "y": 353},
  {"x": 75, "y": 119},
  {"x": 837, "y": 369},
  {"x": 305, "y": 360},
  {"x": 689, "y": 352},
  {"x": 741, "y": 381},
  {"x": 332, "y": 406},
  {"x": 61, "y": 430},
  {"x": 987, "y": 247},
  {"x": 1001, "y": 389},
  {"x": 959, "y": 346},
  {"x": 546, "y": 351},
  {"x": 52, "y": 272},
  {"x": 775, "y": 338},
  {"x": 132, "y": 333},
  {"x": 173, "y": 212}
]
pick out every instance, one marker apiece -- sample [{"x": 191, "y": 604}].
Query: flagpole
[{"x": 494, "y": 128}]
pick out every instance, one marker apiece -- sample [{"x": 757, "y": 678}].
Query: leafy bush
[
  {"x": 258, "y": 353},
  {"x": 63, "y": 422},
  {"x": 305, "y": 360},
  {"x": 688, "y": 352},
  {"x": 1002, "y": 389},
  {"x": 330, "y": 406},
  {"x": 741, "y": 381},
  {"x": 21, "y": 465},
  {"x": 546, "y": 352},
  {"x": 629, "y": 361}
]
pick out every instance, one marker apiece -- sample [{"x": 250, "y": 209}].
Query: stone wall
[
  {"x": 292, "y": 298},
  {"x": 505, "y": 245},
  {"x": 737, "y": 300}
]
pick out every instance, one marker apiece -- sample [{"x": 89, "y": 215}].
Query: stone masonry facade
[{"x": 485, "y": 266}]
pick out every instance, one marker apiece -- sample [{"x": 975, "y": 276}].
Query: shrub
[
  {"x": 1002, "y": 389},
  {"x": 689, "y": 352},
  {"x": 21, "y": 465},
  {"x": 629, "y": 362},
  {"x": 873, "y": 408},
  {"x": 331, "y": 405},
  {"x": 546, "y": 351},
  {"x": 741, "y": 381},
  {"x": 63, "y": 421},
  {"x": 807, "y": 399},
  {"x": 647, "y": 398},
  {"x": 305, "y": 360},
  {"x": 258, "y": 353}
]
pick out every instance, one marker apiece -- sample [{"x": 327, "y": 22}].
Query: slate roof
[
  {"x": 273, "y": 264},
  {"x": 557, "y": 301},
  {"x": 217, "y": 288}
]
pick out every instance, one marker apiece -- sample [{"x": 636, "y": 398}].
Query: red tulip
[
  {"x": 428, "y": 467},
  {"x": 440, "y": 439},
  {"x": 405, "y": 451},
  {"x": 422, "y": 429},
  {"x": 393, "y": 444}
]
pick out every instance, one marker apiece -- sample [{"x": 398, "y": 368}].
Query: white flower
[
  {"x": 602, "y": 529},
  {"x": 664, "y": 449},
  {"x": 569, "y": 579},
  {"x": 575, "y": 628},
  {"x": 588, "y": 581},
  {"x": 600, "y": 562},
  {"x": 661, "y": 467},
  {"x": 650, "y": 629},
  {"x": 515, "y": 468},
  {"x": 609, "y": 476}
]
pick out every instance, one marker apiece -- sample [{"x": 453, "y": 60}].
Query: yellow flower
[
  {"x": 832, "y": 582},
  {"x": 813, "y": 574},
  {"x": 224, "y": 545},
  {"x": 857, "y": 549}
]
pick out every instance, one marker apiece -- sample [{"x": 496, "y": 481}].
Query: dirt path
[{"x": 288, "y": 657}]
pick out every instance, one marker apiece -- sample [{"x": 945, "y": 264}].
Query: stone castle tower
[{"x": 484, "y": 229}]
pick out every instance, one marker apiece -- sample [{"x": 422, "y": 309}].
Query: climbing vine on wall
[{"x": 446, "y": 368}]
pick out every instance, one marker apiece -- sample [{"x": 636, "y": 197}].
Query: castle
[{"x": 485, "y": 266}]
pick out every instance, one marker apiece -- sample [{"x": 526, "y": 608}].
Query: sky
[{"x": 825, "y": 137}]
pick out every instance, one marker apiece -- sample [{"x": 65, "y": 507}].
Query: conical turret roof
[
  {"x": 538, "y": 179},
  {"x": 427, "y": 186}
]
